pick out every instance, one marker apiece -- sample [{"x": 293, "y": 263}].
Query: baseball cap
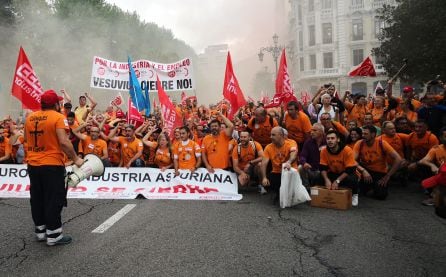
[
  {"x": 408, "y": 89},
  {"x": 50, "y": 97}
]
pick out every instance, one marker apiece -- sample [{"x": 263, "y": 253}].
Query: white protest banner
[
  {"x": 107, "y": 74},
  {"x": 122, "y": 183}
]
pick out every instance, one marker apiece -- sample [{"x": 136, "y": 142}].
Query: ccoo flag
[
  {"x": 231, "y": 89},
  {"x": 366, "y": 68},
  {"x": 135, "y": 91}
]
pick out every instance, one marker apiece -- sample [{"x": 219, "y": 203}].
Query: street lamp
[{"x": 273, "y": 49}]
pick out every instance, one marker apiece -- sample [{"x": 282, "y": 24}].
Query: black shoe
[{"x": 62, "y": 241}]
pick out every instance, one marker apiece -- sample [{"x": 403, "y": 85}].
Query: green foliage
[{"x": 415, "y": 31}]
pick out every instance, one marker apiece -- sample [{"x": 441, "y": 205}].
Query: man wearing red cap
[{"x": 47, "y": 141}]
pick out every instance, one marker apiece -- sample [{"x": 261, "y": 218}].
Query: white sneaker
[
  {"x": 355, "y": 200},
  {"x": 262, "y": 190}
]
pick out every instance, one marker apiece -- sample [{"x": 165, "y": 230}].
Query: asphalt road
[{"x": 251, "y": 237}]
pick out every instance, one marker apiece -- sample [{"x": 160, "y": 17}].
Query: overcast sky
[{"x": 245, "y": 25}]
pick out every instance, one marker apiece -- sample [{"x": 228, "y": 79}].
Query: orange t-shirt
[
  {"x": 114, "y": 152},
  {"x": 163, "y": 157},
  {"x": 377, "y": 113},
  {"x": 415, "y": 103},
  {"x": 5, "y": 147},
  {"x": 410, "y": 115},
  {"x": 129, "y": 149},
  {"x": 420, "y": 146},
  {"x": 355, "y": 112},
  {"x": 372, "y": 157},
  {"x": 437, "y": 155},
  {"x": 337, "y": 163},
  {"x": 43, "y": 146},
  {"x": 339, "y": 128},
  {"x": 278, "y": 156},
  {"x": 217, "y": 150},
  {"x": 297, "y": 128},
  {"x": 187, "y": 154},
  {"x": 261, "y": 132},
  {"x": 246, "y": 154},
  {"x": 397, "y": 142},
  {"x": 96, "y": 147}
]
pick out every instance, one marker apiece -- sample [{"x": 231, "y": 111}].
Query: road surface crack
[{"x": 91, "y": 208}]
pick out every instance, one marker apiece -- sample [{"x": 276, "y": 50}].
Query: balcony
[
  {"x": 310, "y": 19},
  {"x": 358, "y": 6},
  {"x": 377, "y": 4},
  {"x": 328, "y": 71}
]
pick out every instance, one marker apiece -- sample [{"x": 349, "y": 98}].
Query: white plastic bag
[{"x": 292, "y": 192}]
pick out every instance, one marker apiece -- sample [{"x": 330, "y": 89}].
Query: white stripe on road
[{"x": 113, "y": 219}]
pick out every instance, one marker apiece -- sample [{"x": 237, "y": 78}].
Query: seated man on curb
[
  {"x": 309, "y": 156},
  {"x": 371, "y": 155},
  {"x": 338, "y": 165},
  {"x": 246, "y": 158},
  {"x": 279, "y": 152}
]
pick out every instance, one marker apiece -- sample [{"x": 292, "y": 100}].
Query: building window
[
  {"x": 378, "y": 59},
  {"x": 311, "y": 35},
  {"x": 326, "y": 4},
  {"x": 301, "y": 64},
  {"x": 299, "y": 14},
  {"x": 379, "y": 26},
  {"x": 357, "y": 29},
  {"x": 358, "y": 56},
  {"x": 301, "y": 41},
  {"x": 312, "y": 62},
  {"x": 327, "y": 34},
  {"x": 328, "y": 60},
  {"x": 358, "y": 3},
  {"x": 310, "y": 5}
]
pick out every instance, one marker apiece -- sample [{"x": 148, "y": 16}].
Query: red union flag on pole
[
  {"x": 366, "y": 68},
  {"x": 25, "y": 85},
  {"x": 171, "y": 118},
  {"x": 133, "y": 115},
  {"x": 231, "y": 89},
  {"x": 284, "y": 91}
]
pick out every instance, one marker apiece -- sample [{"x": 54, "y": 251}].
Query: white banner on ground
[
  {"x": 107, "y": 74},
  {"x": 122, "y": 183}
]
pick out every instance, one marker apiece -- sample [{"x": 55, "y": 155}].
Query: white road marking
[{"x": 113, "y": 219}]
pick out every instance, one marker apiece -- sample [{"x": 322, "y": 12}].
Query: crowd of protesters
[{"x": 362, "y": 142}]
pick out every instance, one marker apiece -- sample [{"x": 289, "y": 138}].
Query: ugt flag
[
  {"x": 366, "y": 68},
  {"x": 135, "y": 91},
  {"x": 169, "y": 113},
  {"x": 231, "y": 89},
  {"x": 284, "y": 91},
  {"x": 25, "y": 85}
]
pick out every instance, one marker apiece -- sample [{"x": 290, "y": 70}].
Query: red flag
[
  {"x": 172, "y": 119},
  {"x": 305, "y": 97},
  {"x": 117, "y": 101},
  {"x": 231, "y": 89},
  {"x": 26, "y": 86},
  {"x": 366, "y": 68},
  {"x": 183, "y": 98},
  {"x": 133, "y": 116},
  {"x": 284, "y": 91}
]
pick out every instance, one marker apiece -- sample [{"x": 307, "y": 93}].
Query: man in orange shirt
[
  {"x": 47, "y": 143},
  {"x": 328, "y": 124},
  {"x": 433, "y": 160},
  {"x": 279, "y": 152},
  {"x": 92, "y": 144},
  {"x": 419, "y": 143},
  {"x": 261, "y": 125},
  {"x": 186, "y": 153},
  {"x": 5, "y": 148},
  {"x": 215, "y": 146},
  {"x": 297, "y": 123},
  {"x": 131, "y": 147},
  {"x": 371, "y": 155},
  {"x": 246, "y": 158},
  {"x": 356, "y": 111},
  {"x": 338, "y": 165}
]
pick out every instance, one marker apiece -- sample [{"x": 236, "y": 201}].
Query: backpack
[{"x": 253, "y": 146}]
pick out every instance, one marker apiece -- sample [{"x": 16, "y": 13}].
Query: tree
[{"x": 415, "y": 30}]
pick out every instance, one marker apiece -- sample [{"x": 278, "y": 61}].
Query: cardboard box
[{"x": 340, "y": 199}]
